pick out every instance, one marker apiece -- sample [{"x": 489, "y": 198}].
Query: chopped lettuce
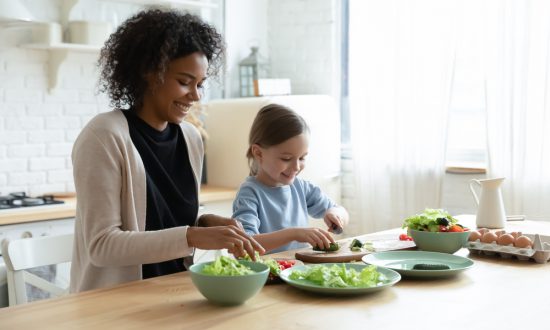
[
  {"x": 271, "y": 263},
  {"x": 338, "y": 276},
  {"x": 226, "y": 266},
  {"x": 429, "y": 220}
]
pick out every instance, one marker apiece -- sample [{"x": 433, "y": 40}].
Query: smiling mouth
[
  {"x": 182, "y": 106},
  {"x": 288, "y": 176}
]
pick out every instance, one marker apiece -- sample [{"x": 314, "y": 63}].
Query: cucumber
[
  {"x": 356, "y": 243},
  {"x": 333, "y": 247},
  {"x": 430, "y": 267}
]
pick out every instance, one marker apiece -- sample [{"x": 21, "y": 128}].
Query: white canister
[
  {"x": 88, "y": 33},
  {"x": 47, "y": 33}
]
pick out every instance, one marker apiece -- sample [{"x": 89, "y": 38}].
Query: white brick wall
[
  {"x": 38, "y": 128},
  {"x": 303, "y": 40}
]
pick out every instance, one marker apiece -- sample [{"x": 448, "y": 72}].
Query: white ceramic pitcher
[{"x": 490, "y": 207}]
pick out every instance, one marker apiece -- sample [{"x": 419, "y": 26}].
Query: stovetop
[{"x": 21, "y": 199}]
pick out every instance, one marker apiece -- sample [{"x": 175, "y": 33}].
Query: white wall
[
  {"x": 303, "y": 44},
  {"x": 245, "y": 26},
  {"x": 37, "y": 129},
  {"x": 299, "y": 38}
]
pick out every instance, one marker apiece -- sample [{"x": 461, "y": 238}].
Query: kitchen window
[
  {"x": 466, "y": 149},
  {"x": 467, "y": 138}
]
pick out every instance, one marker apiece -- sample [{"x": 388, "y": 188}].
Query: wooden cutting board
[{"x": 346, "y": 255}]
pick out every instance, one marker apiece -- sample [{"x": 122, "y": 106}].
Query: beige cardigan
[{"x": 110, "y": 242}]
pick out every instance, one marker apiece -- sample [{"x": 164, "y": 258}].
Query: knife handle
[{"x": 337, "y": 230}]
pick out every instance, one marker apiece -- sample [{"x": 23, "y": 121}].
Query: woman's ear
[{"x": 256, "y": 152}]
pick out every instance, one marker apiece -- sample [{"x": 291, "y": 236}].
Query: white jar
[
  {"x": 88, "y": 33},
  {"x": 47, "y": 33}
]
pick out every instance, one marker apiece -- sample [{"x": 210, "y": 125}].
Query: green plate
[
  {"x": 391, "y": 277},
  {"x": 404, "y": 261}
]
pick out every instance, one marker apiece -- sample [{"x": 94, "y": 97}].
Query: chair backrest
[{"x": 21, "y": 255}]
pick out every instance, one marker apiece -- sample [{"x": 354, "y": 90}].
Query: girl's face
[
  {"x": 280, "y": 164},
  {"x": 168, "y": 101}
]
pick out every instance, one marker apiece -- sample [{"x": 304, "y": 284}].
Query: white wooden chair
[{"x": 23, "y": 254}]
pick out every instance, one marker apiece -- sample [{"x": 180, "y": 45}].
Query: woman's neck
[{"x": 150, "y": 118}]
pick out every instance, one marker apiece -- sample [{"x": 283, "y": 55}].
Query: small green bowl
[
  {"x": 230, "y": 290},
  {"x": 439, "y": 241}
]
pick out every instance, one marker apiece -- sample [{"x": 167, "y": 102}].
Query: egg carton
[{"x": 540, "y": 252}]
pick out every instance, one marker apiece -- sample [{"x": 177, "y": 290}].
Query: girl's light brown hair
[{"x": 273, "y": 125}]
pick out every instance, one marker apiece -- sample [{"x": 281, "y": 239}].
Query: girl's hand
[
  {"x": 232, "y": 238},
  {"x": 333, "y": 220},
  {"x": 314, "y": 236}
]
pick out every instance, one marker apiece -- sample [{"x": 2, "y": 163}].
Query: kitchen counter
[
  {"x": 495, "y": 293},
  {"x": 68, "y": 209}
]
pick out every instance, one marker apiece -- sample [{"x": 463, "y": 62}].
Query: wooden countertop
[
  {"x": 68, "y": 209},
  {"x": 495, "y": 293}
]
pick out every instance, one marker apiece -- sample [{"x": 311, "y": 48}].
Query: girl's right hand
[
  {"x": 232, "y": 238},
  {"x": 314, "y": 236}
]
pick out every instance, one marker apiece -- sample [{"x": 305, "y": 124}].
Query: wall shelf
[
  {"x": 58, "y": 53},
  {"x": 173, "y": 3},
  {"x": 64, "y": 46}
]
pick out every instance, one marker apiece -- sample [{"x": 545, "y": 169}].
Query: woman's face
[{"x": 168, "y": 101}]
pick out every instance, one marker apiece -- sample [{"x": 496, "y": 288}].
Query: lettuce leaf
[
  {"x": 427, "y": 220},
  {"x": 338, "y": 276},
  {"x": 226, "y": 266},
  {"x": 271, "y": 263}
]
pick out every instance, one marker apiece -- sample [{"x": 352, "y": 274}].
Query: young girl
[{"x": 273, "y": 203}]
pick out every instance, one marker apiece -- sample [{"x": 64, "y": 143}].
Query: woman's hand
[
  {"x": 314, "y": 236},
  {"x": 212, "y": 220},
  {"x": 232, "y": 238}
]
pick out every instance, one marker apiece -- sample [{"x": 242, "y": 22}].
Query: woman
[{"x": 137, "y": 168}]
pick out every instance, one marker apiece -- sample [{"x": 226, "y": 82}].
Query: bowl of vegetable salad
[
  {"x": 226, "y": 281},
  {"x": 436, "y": 230}
]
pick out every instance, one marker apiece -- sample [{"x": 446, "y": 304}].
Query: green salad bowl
[
  {"x": 229, "y": 290},
  {"x": 445, "y": 242}
]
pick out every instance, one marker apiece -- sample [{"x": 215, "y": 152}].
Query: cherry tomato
[
  {"x": 456, "y": 229},
  {"x": 284, "y": 264},
  {"x": 405, "y": 237}
]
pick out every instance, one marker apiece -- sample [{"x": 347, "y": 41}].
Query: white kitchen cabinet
[
  {"x": 216, "y": 200},
  {"x": 223, "y": 208}
]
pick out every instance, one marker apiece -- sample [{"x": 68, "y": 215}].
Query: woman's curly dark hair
[{"x": 147, "y": 43}]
